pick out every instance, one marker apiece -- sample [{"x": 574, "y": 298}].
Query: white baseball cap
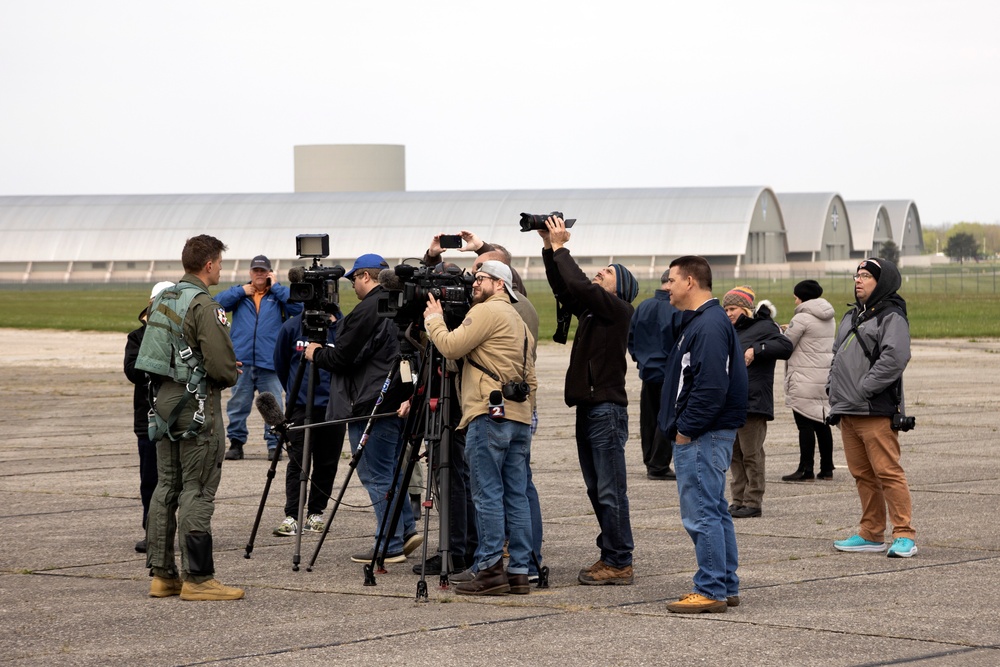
[{"x": 501, "y": 271}]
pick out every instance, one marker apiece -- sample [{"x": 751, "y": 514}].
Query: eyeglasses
[
  {"x": 480, "y": 279},
  {"x": 864, "y": 276}
]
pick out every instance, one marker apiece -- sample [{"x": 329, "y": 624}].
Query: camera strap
[
  {"x": 894, "y": 390},
  {"x": 491, "y": 374}
]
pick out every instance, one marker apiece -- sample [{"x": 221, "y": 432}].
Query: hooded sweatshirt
[{"x": 859, "y": 385}]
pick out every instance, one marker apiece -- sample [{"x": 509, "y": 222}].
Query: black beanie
[
  {"x": 872, "y": 266},
  {"x": 808, "y": 289}
]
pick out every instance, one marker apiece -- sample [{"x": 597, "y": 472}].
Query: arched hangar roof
[
  {"x": 612, "y": 222},
  {"x": 866, "y": 219},
  {"x": 907, "y": 233},
  {"x": 806, "y": 214}
]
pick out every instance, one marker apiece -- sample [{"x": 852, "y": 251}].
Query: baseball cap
[
  {"x": 501, "y": 271},
  {"x": 368, "y": 261},
  {"x": 260, "y": 262}
]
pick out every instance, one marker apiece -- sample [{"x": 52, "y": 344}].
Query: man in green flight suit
[{"x": 191, "y": 356}]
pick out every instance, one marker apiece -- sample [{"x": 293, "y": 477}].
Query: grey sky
[{"x": 874, "y": 100}]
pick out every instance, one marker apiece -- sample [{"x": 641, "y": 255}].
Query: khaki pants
[
  {"x": 748, "y": 462},
  {"x": 184, "y": 500},
  {"x": 872, "y": 451}
]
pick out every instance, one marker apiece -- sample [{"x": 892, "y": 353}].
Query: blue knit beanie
[{"x": 626, "y": 286}]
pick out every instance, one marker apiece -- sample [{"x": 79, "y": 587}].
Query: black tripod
[
  {"x": 429, "y": 421},
  {"x": 282, "y": 429},
  {"x": 404, "y": 362}
]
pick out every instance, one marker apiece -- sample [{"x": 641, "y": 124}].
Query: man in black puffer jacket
[{"x": 763, "y": 344}]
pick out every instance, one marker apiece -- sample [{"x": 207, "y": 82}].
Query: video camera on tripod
[
  {"x": 315, "y": 287},
  {"x": 405, "y": 304}
]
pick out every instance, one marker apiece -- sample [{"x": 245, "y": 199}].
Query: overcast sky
[{"x": 874, "y": 100}]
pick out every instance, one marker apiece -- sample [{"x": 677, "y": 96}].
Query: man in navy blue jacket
[
  {"x": 259, "y": 307},
  {"x": 325, "y": 442},
  {"x": 704, "y": 402},
  {"x": 650, "y": 339}
]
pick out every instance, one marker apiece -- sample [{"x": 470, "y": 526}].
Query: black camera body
[
  {"x": 901, "y": 422},
  {"x": 315, "y": 287},
  {"x": 516, "y": 390},
  {"x": 451, "y": 287},
  {"x": 531, "y": 222}
]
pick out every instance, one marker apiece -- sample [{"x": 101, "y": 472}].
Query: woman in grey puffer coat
[{"x": 811, "y": 331}]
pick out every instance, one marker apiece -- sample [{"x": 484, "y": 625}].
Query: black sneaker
[
  {"x": 799, "y": 476},
  {"x": 235, "y": 452},
  {"x": 433, "y": 567},
  {"x": 825, "y": 475},
  {"x": 271, "y": 453},
  {"x": 140, "y": 546},
  {"x": 746, "y": 512}
]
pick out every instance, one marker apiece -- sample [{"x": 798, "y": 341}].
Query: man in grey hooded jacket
[{"x": 865, "y": 387}]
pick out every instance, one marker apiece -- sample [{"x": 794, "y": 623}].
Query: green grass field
[{"x": 933, "y": 314}]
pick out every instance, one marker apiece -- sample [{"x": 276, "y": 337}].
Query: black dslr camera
[
  {"x": 316, "y": 286},
  {"x": 405, "y": 304},
  {"x": 901, "y": 422},
  {"x": 531, "y": 222},
  {"x": 516, "y": 390}
]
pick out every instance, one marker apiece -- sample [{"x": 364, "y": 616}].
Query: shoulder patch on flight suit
[{"x": 220, "y": 313}]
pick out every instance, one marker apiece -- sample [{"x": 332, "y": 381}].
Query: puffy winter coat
[{"x": 811, "y": 331}]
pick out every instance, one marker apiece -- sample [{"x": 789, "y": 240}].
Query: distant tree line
[{"x": 963, "y": 240}]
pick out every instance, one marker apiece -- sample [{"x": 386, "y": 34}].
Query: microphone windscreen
[
  {"x": 267, "y": 406},
  {"x": 388, "y": 280},
  {"x": 296, "y": 274},
  {"x": 405, "y": 270}
]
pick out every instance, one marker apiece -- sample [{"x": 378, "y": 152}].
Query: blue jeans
[
  {"x": 601, "y": 432},
  {"x": 701, "y": 483},
  {"x": 497, "y": 453},
  {"x": 375, "y": 468},
  {"x": 253, "y": 378}
]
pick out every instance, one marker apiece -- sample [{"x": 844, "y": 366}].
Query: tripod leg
[
  {"x": 305, "y": 463},
  {"x": 274, "y": 462}
]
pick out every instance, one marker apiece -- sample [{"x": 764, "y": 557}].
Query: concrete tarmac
[{"x": 74, "y": 592}]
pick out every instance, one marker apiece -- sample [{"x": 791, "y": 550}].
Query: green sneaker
[
  {"x": 288, "y": 527},
  {"x": 314, "y": 524}
]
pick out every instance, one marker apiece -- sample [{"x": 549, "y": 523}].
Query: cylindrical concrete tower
[{"x": 350, "y": 168}]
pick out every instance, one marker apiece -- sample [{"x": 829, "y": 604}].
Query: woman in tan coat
[{"x": 811, "y": 331}]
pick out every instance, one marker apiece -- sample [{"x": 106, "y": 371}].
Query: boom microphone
[
  {"x": 296, "y": 274},
  {"x": 389, "y": 281},
  {"x": 267, "y": 406}
]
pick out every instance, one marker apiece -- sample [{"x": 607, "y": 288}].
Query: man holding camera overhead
[
  {"x": 497, "y": 379},
  {"x": 595, "y": 384},
  {"x": 865, "y": 387}
]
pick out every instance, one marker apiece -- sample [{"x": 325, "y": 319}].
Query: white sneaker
[
  {"x": 314, "y": 524},
  {"x": 288, "y": 527}
]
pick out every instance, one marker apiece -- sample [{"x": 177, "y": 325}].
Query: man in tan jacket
[{"x": 495, "y": 343}]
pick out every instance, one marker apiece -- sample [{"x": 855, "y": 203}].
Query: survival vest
[{"x": 165, "y": 354}]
